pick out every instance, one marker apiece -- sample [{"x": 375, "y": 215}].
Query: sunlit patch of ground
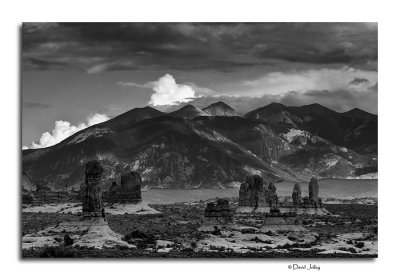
[
  {"x": 94, "y": 233},
  {"x": 141, "y": 208},
  {"x": 238, "y": 241}
]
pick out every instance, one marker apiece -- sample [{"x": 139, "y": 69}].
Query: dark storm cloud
[
  {"x": 97, "y": 47},
  {"x": 35, "y": 105}
]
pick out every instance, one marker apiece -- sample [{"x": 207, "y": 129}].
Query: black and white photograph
[{"x": 199, "y": 140}]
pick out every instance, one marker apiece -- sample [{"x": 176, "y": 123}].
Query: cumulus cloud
[
  {"x": 64, "y": 129},
  {"x": 166, "y": 91},
  {"x": 96, "y": 118}
]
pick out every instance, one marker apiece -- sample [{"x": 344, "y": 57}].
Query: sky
[{"x": 78, "y": 74}]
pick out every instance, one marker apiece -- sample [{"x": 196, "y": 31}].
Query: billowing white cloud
[
  {"x": 64, "y": 129},
  {"x": 166, "y": 91},
  {"x": 96, "y": 118}
]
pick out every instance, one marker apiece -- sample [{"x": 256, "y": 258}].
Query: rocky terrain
[
  {"x": 351, "y": 231},
  {"x": 302, "y": 227},
  {"x": 213, "y": 147}
]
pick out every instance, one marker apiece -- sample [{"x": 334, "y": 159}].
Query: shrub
[
  {"x": 359, "y": 245},
  {"x": 291, "y": 238},
  {"x": 68, "y": 241},
  {"x": 57, "y": 252},
  {"x": 216, "y": 231}
]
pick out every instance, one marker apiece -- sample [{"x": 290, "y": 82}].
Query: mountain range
[{"x": 214, "y": 146}]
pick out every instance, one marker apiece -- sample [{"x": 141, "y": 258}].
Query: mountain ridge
[{"x": 193, "y": 148}]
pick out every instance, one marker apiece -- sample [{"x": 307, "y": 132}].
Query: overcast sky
[{"x": 78, "y": 74}]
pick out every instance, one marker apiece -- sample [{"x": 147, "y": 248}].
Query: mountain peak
[
  {"x": 275, "y": 105},
  {"x": 220, "y": 109},
  {"x": 266, "y": 111},
  {"x": 314, "y": 108},
  {"x": 188, "y": 112},
  {"x": 359, "y": 114},
  {"x": 133, "y": 116}
]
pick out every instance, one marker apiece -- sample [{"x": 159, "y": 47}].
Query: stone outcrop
[
  {"x": 219, "y": 211},
  {"x": 271, "y": 196},
  {"x": 313, "y": 191},
  {"x": 252, "y": 192},
  {"x": 218, "y": 215},
  {"x": 296, "y": 195},
  {"x": 91, "y": 200},
  {"x": 114, "y": 187},
  {"x": 45, "y": 195},
  {"x": 91, "y": 230},
  {"x": 306, "y": 201},
  {"x": 128, "y": 192},
  {"x": 275, "y": 221},
  {"x": 27, "y": 197},
  {"x": 42, "y": 187}
]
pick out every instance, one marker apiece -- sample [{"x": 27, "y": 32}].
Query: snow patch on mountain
[
  {"x": 331, "y": 162},
  {"x": 293, "y": 133},
  {"x": 252, "y": 170},
  {"x": 95, "y": 132}
]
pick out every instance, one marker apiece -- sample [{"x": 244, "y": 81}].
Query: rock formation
[
  {"x": 218, "y": 216},
  {"x": 114, "y": 187},
  {"x": 91, "y": 230},
  {"x": 251, "y": 192},
  {"x": 313, "y": 191},
  {"x": 42, "y": 187},
  {"x": 271, "y": 196},
  {"x": 275, "y": 221},
  {"x": 219, "y": 211},
  {"x": 296, "y": 195},
  {"x": 27, "y": 197},
  {"x": 128, "y": 192},
  {"x": 91, "y": 201},
  {"x": 45, "y": 195}
]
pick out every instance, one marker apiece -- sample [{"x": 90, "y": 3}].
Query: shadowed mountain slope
[
  {"x": 190, "y": 148},
  {"x": 220, "y": 109}
]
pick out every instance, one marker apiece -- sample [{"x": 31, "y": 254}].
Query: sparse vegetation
[{"x": 143, "y": 231}]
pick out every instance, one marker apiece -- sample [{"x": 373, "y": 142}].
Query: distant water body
[{"x": 332, "y": 188}]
